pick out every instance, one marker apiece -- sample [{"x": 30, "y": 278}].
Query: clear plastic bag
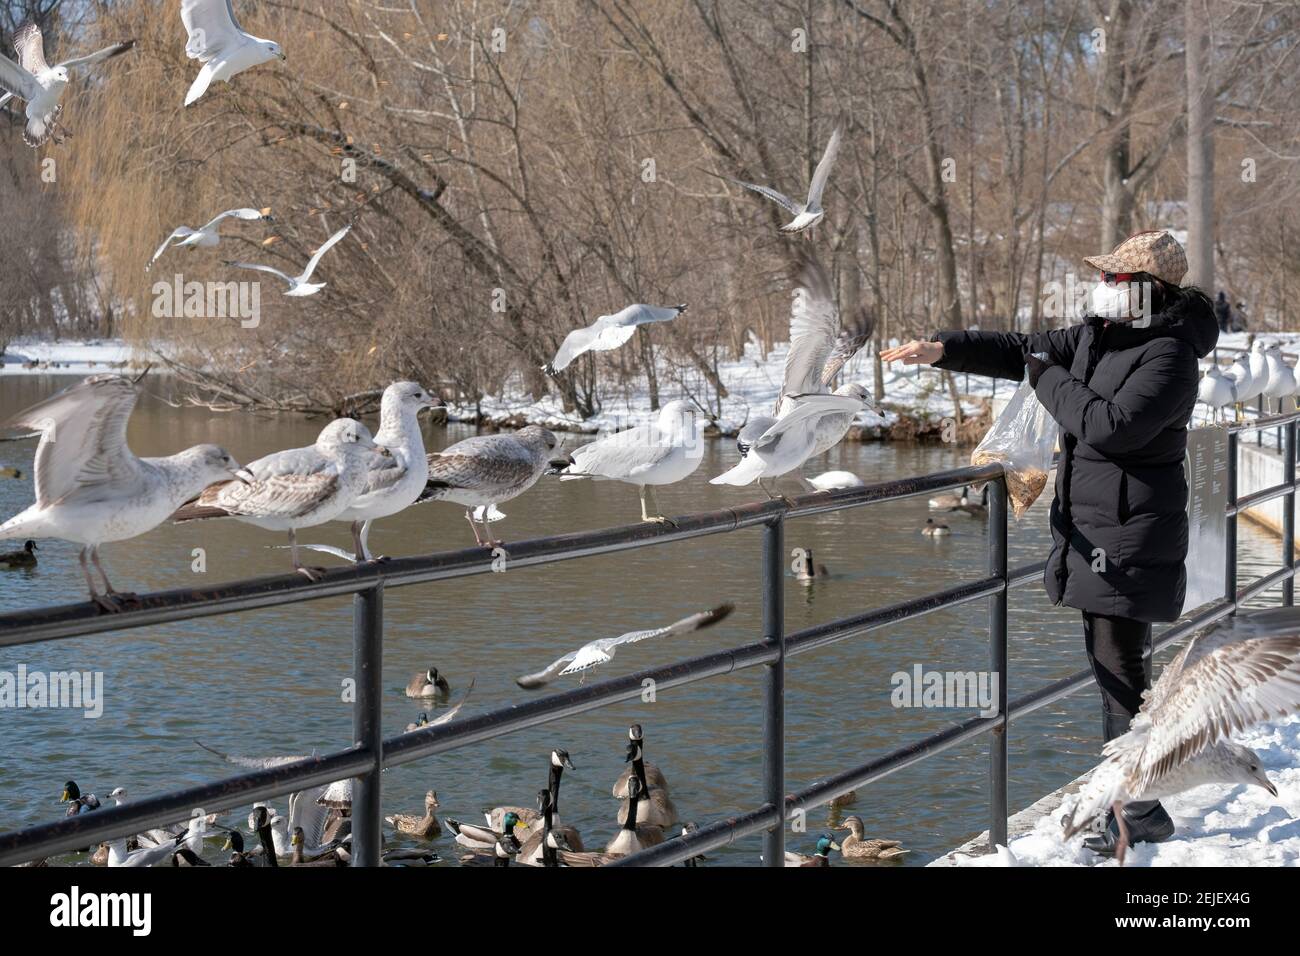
[{"x": 1023, "y": 440}]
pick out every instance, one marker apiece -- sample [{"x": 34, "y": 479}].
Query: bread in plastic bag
[{"x": 1023, "y": 440}]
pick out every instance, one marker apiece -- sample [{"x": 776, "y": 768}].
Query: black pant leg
[{"x": 1119, "y": 650}]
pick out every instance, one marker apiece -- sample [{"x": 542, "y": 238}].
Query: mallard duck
[
  {"x": 428, "y": 684},
  {"x": 77, "y": 801},
  {"x": 650, "y": 773},
  {"x": 489, "y": 846},
  {"x": 856, "y": 848},
  {"x": 426, "y": 827},
  {"x": 933, "y": 530},
  {"x": 238, "y": 856},
  {"x": 559, "y": 761},
  {"x": 26, "y": 558},
  {"x": 821, "y": 858},
  {"x": 656, "y": 807},
  {"x": 300, "y": 858},
  {"x": 421, "y": 720},
  {"x": 948, "y": 501}
]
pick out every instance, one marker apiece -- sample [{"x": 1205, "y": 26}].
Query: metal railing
[{"x": 371, "y": 752}]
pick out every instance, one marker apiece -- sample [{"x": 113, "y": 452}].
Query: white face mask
[{"x": 1111, "y": 301}]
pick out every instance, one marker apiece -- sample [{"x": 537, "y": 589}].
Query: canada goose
[
  {"x": 655, "y": 806},
  {"x": 426, "y": 827},
  {"x": 559, "y": 761},
  {"x": 976, "y": 509},
  {"x": 932, "y": 530},
  {"x": 948, "y": 501},
  {"x": 542, "y": 848},
  {"x": 820, "y": 858},
  {"x": 261, "y": 823},
  {"x": 504, "y": 843},
  {"x": 650, "y": 773},
  {"x": 629, "y": 839},
  {"x": 857, "y": 848},
  {"x": 807, "y": 569},
  {"x": 26, "y": 558},
  {"x": 428, "y": 684}
]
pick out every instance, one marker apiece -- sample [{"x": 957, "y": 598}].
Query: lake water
[{"x": 268, "y": 682}]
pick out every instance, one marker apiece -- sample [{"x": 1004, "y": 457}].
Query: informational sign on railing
[{"x": 1206, "y": 465}]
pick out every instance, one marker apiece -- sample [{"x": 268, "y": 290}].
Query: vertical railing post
[
  {"x": 998, "y": 805},
  {"x": 774, "y": 688},
  {"x": 1288, "y": 512},
  {"x": 367, "y": 723},
  {"x": 1230, "y": 531}
]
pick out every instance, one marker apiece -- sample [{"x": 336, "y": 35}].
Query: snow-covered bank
[
  {"x": 65, "y": 357},
  {"x": 1218, "y": 825}
]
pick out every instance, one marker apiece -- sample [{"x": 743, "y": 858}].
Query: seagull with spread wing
[
  {"x": 206, "y": 235},
  {"x": 601, "y": 651},
  {"x": 33, "y": 80},
  {"x": 1238, "y": 675},
  {"x": 810, "y": 212},
  {"x": 609, "y": 332},
  {"x": 216, "y": 40},
  {"x": 90, "y": 488},
  {"x": 298, "y": 285}
]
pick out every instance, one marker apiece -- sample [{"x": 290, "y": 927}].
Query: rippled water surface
[{"x": 269, "y": 682}]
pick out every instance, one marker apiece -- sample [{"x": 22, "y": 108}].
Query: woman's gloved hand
[{"x": 1034, "y": 367}]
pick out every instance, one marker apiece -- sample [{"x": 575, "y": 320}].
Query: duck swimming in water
[
  {"x": 26, "y": 558},
  {"x": 821, "y": 858},
  {"x": 933, "y": 530},
  {"x": 855, "y": 847}
]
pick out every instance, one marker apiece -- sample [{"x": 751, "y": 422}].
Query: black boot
[{"x": 1146, "y": 820}]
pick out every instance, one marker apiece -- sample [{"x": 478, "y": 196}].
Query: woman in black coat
[{"x": 1121, "y": 385}]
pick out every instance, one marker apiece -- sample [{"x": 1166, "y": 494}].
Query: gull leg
[
  {"x": 311, "y": 574},
  {"x": 102, "y": 602},
  {"x": 648, "y": 494},
  {"x": 491, "y": 542},
  {"x": 109, "y": 591},
  {"x": 641, "y": 494},
  {"x": 1122, "y": 846},
  {"x": 365, "y": 542},
  {"x": 478, "y": 539}
]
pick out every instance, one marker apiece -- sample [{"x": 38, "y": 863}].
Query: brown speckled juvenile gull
[
  {"x": 489, "y": 469},
  {"x": 1238, "y": 675},
  {"x": 297, "y": 488},
  {"x": 90, "y": 488}
]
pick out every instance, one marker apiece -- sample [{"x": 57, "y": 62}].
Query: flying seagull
[
  {"x": 298, "y": 285},
  {"x": 206, "y": 235},
  {"x": 806, "y": 214},
  {"x": 601, "y": 651},
  {"x": 218, "y": 42},
  {"x": 90, "y": 488},
  {"x": 1238, "y": 675},
  {"x": 41, "y": 85},
  {"x": 609, "y": 332}
]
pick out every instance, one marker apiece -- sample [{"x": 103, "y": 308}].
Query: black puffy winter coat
[{"x": 1123, "y": 396}]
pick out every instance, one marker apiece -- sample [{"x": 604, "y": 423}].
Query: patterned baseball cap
[{"x": 1156, "y": 253}]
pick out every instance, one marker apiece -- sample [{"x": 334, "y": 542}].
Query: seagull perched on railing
[
  {"x": 1238, "y": 675},
  {"x": 207, "y": 234},
  {"x": 1281, "y": 377},
  {"x": 90, "y": 488},
  {"x": 1217, "y": 389},
  {"x": 41, "y": 85}
]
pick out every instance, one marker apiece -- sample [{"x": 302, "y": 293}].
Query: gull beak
[
  {"x": 383, "y": 452},
  {"x": 282, "y": 56}
]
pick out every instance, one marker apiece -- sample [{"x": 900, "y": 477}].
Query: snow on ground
[
  {"x": 70, "y": 356},
  {"x": 752, "y": 383},
  {"x": 1218, "y": 825}
]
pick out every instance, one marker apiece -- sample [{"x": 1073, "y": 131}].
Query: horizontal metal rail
[{"x": 366, "y": 582}]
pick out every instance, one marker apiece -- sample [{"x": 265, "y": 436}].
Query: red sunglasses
[{"x": 1111, "y": 278}]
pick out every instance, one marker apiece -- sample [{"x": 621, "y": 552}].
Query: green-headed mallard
[
  {"x": 488, "y": 846},
  {"x": 425, "y": 827},
  {"x": 934, "y": 530},
  {"x": 855, "y": 847},
  {"x": 821, "y": 858},
  {"x": 26, "y": 558},
  {"x": 428, "y": 684}
]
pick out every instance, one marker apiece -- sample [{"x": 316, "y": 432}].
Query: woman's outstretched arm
[{"x": 996, "y": 354}]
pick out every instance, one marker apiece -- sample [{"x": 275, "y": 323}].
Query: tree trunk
[{"x": 1200, "y": 147}]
